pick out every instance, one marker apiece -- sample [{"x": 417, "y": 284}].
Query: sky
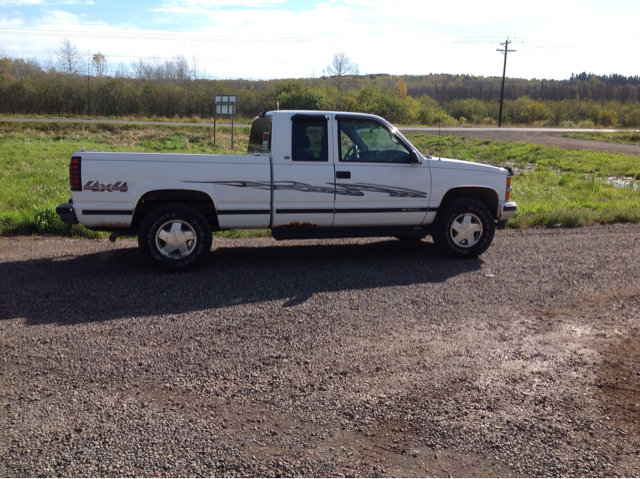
[{"x": 269, "y": 39}]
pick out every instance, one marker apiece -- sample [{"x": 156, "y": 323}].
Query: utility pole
[{"x": 504, "y": 71}]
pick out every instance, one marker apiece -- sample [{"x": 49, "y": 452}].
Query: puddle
[
  {"x": 526, "y": 168},
  {"x": 623, "y": 182}
]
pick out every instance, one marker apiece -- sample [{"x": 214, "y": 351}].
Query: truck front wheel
[
  {"x": 175, "y": 237},
  {"x": 466, "y": 229}
]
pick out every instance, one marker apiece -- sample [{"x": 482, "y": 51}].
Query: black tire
[
  {"x": 465, "y": 229},
  {"x": 411, "y": 238},
  {"x": 175, "y": 237}
]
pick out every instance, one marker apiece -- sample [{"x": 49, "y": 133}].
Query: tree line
[{"x": 87, "y": 84}]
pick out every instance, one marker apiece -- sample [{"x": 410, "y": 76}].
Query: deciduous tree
[
  {"x": 340, "y": 68},
  {"x": 401, "y": 88},
  {"x": 99, "y": 62},
  {"x": 69, "y": 58}
]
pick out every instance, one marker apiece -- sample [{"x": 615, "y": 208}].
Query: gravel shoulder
[{"x": 365, "y": 357}]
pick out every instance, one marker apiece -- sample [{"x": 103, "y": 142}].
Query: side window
[
  {"x": 369, "y": 141},
  {"x": 309, "y": 138},
  {"x": 260, "y": 136},
  {"x": 345, "y": 145}
]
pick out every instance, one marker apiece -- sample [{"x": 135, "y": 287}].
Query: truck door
[
  {"x": 303, "y": 173},
  {"x": 375, "y": 182}
]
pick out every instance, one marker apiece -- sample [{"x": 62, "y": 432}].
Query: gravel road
[
  {"x": 323, "y": 358},
  {"x": 542, "y": 136}
]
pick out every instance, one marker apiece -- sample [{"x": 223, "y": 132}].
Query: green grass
[
  {"x": 630, "y": 137},
  {"x": 34, "y": 163},
  {"x": 181, "y": 119},
  {"x": 553, "y": 187},
  {"x": 527, "y": 154}
]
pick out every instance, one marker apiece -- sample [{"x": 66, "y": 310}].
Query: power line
[
  {"x": 177, "y": 36},
  {"x": 542, "y": 44},
  {"x": 154, "y": 57}
]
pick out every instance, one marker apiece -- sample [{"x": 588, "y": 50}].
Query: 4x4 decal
[{"x": 99, "y": 187}]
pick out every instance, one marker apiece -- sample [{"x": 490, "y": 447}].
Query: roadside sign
[{"x": 224, "y": 105}]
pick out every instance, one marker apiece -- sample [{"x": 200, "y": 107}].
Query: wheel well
[
  {"x": 196, "y": 199},
  {"x": 485, "y": 195}
]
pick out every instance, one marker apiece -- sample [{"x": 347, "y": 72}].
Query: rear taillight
[
  {"x": 74, "y": 174},
  {"x": 508, "y": 195}
]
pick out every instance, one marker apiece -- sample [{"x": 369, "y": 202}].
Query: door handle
[{"x": 344, "y": 175}]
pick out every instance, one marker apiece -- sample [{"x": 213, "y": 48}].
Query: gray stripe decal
[
  {"x": 308, "y": 211},
  {"x": 243, "y": 212}
]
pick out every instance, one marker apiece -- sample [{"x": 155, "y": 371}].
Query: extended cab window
[
  {"x": 369, "y": 141},
  {"x": 309, "y": 141},
  {"x": 260, "y": 137}
]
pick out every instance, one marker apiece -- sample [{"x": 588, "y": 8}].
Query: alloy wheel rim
[
  {"x": 176, "y": 239},
  {"x": 466, "y": 230}
]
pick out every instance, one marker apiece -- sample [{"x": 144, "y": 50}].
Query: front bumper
[
  {"x": 66, "y": 214},
  {"x": 507, "y": 210}
]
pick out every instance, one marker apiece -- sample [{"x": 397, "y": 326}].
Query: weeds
[{"x": 630, "y": 137}]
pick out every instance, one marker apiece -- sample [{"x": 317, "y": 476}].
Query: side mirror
[{"x": 414, "y": 158}]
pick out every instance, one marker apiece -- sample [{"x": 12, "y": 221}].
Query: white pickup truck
[{"x": 307, "y": 174}]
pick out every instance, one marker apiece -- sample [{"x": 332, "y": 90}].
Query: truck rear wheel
[
  {"x": 466, "y": 229},
  {"x": 175, "y": 237}
]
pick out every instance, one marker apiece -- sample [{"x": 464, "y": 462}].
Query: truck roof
[{"x": 323, "y": 112}]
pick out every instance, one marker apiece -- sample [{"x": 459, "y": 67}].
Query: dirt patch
[{"x": 619, "y": 383}]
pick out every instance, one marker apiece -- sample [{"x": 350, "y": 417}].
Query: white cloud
[
  {"x": 269, "y": 39},
  {"x": 199, "y": 6},
  {"x": 58, "y": 17},
  {"x": 21, "y": 3},
  {"x": 30, "y": 3},
  {"x": 464, "y": 12}
]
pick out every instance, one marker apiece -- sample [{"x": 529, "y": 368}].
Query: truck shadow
[{"x": 119, "y": 284}]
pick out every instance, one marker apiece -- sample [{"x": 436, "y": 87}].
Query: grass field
[
  {"x": 34, "y": 164},
  {"x": 630, "y": 137},
  {"x": 553, "y": 187},
  {"x": 180, "y": 119}
]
